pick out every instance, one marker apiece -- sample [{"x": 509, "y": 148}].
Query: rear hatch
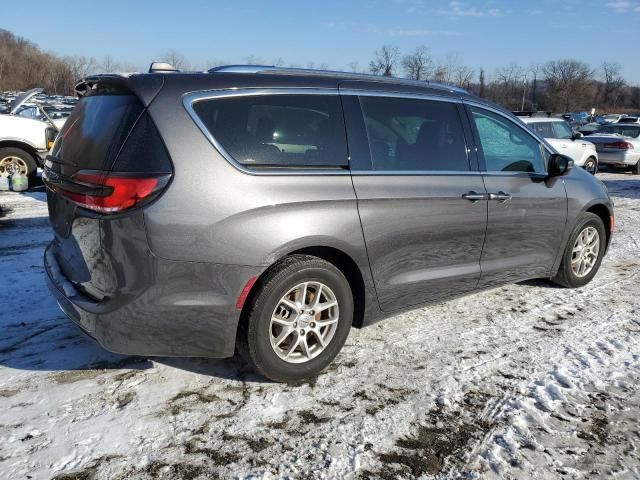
[{"x": 107, "y": 163}]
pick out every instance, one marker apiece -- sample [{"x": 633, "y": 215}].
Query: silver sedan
[{"x": 618, "y": 145}]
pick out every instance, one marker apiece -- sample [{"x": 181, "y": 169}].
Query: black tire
[
  {"x": 253, "y": 340},
  {"x": 565, "y": 276},
  {"x": 591, "y": 169},
  {"x": 636, "y": 169},
  {"x": 32, "y": 167}
]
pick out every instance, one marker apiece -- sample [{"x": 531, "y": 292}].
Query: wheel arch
[
  {"x": 338, "y": 258},
  {"x": 605, "y": 214},
  {"x": 27, "y": 147}
]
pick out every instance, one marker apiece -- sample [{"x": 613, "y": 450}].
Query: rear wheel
[
  {"x": 591, "y": 165},
  {"x": 298, "y": 320},
  {"x": 636, "y": 168},
  {"x": 14, "y": 160},
  {"x": 583, "y": 253}
]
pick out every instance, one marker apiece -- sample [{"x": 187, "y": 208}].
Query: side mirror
[
  {"x": 576, "y": 135},
  {"x": 559, "y": 165}
]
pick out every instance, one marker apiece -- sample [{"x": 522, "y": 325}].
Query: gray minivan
[{"x": 273, "y": 209}]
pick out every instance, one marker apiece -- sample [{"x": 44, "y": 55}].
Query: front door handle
[
  {"x": 500, "y": 196},
  {"x": 474, "y": 196}
]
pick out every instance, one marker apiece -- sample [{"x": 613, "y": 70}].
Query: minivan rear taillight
[{"x": 110, "y": 192}]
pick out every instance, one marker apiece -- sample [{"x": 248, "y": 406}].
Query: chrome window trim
[
  {"x": 397, "y": 94},
  {"x": 190, "y": 99},
  {"x": 414, "y": 173}
]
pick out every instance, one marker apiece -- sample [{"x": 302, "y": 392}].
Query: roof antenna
[{"x": 159, "y": 67}]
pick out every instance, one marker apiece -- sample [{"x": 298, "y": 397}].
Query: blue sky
[{"x": 483, "y": 33}]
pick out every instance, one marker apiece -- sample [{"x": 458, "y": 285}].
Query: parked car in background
[
  {"x": 561, "y": 137},
  {"x": 273, "y": 208},
  {"x": 25, "y": 139},
  {"x": 575, "y": 119},
  {"x": 589, "y": 128},
  {"x": 610, "y": 118},
  {"x": 629, "y": 119},
  {"x": 618, "y": 145}
]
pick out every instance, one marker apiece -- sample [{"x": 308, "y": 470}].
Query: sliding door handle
[
  {"x": 500, "y": 196},
  {"x": 474, "y": 196}
]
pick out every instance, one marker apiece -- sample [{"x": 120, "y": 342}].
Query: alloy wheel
[
  {"x": 585, "y": 252},
  {"x": 304, "y": 322}
]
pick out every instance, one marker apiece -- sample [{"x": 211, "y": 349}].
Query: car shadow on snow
[
  {"x": 224, "y": 368},
  {"x": 540, "y": 283},
  {"x": 58, "y": 345}
]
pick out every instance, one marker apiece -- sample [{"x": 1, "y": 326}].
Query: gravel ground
[{"x": 523, "y": 381}]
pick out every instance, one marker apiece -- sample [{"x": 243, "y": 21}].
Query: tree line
[{"x": 554, "y": 86}]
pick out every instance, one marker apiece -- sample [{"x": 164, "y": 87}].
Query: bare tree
[
  {"x": 353, "y": 67},
  {"x": 462, "y": 76},
  {"x": 418, "y": 65},
  {"x": 109, "y": 64},
  {"x": 385, "y": 61},
  {"x": 253, "y": 60},
  {"x": 569, "y": 83},
  {"x": 509, "y": 85},
  {"x": 610, "y": 73},
  {"x": 176, "y": 59}
]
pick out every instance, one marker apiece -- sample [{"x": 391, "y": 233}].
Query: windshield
[
  {"x": 624, "y": 130},
  {"x": 563, "y": 131}
]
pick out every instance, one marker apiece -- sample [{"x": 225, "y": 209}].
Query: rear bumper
[
  {"x": 618, "y": 158},
  {"x": 187, "y": 310}
]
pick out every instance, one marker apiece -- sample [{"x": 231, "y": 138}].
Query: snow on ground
[{"x": 523, "y": 381}]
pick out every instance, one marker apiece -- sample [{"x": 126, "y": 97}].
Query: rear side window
[
  {"x": 414, "y": 135},
  {"x": 506, "y": 147},
  {"x": 545, "y": 129},
  {"x": 278, "y": 130},
  {"x": 95, "y": 131},
  {"x": 625, "y": 131}
]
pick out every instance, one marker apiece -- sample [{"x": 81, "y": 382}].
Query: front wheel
[
  {"x": 298, "y": 319},
  {"x": 591, "y": 165},
  {"x": 583, "y": 253}
]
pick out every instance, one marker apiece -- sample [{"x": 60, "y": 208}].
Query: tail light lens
[
  {"x": 619, "y": 145},
  {"x": 106, "y": 192}
]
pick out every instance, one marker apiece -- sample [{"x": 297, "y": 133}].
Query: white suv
[{"x": 567, "y": 142}]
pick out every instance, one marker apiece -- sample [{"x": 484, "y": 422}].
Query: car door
[
  {"x": 527, "y": 211},
  {"x": 564, "y": 141},
  {"x": 421, "y": 201}
]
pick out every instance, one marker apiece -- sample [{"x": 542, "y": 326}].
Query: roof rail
[{"x": 271, "y": 69}]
